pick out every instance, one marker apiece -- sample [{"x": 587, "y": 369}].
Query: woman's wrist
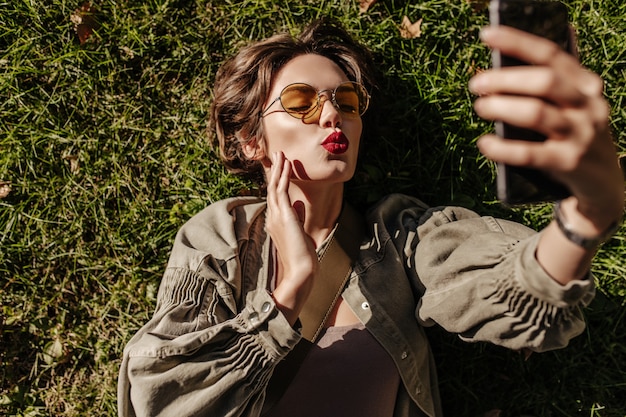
[
  {"x": 581, "y": 230},
  {"x": 290, "y": 299}
]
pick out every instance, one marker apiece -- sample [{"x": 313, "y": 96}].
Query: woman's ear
[{"x": 253, "y": 148}]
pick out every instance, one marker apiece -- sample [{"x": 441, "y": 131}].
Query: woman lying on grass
[{"x": 241, "y": 275}]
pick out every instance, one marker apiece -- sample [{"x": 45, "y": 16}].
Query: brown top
[{"x": 347, "y": 373}]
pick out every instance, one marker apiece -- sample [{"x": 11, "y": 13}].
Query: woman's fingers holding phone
[
  {"x": 532, "y": 81},
  {"x": 541, "y": 52},
  {"x": 526, "y": 112},
  {"x": 524, "y": 46}
]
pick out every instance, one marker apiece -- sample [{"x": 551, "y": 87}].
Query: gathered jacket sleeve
[
  {"x": 479, "y": 277},
  {"x": 215, "y": 338}
]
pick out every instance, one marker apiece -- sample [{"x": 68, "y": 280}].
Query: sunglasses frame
[{"x": 313, "y": 110}]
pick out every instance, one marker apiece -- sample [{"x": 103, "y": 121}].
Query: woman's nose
[{"x": 330, "y": 116}]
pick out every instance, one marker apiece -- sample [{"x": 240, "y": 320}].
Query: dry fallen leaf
[
  {"x": 74, "y": 165},
  {"x": 84, "y": 21},
  {"x": 410, "y": 30},
  {"x": 5, "y": 189},
  {"x": 55, "y": 352},
  {"x": 364, "y": 5}
]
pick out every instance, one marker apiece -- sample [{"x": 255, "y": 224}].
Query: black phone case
[{"x": 549, "y": 19}]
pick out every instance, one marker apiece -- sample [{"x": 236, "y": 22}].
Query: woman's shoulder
[
  {"x": 221, "y": 212},
  {"x": 218, "y": 227},
  {"x": 405, "y": 211},
  {"x": 393, "y": 205}
]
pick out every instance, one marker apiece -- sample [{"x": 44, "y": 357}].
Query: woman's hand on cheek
[
  {"x": 297, "y": 258},
  {"x": 559, "y": 98}
]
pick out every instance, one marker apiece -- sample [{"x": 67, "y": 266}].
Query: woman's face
[{"x": 323, "y": 150}]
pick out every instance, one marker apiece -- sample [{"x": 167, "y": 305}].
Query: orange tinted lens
[
  {"x": 299, "y": 100},
  {"x": 348, "y": 99}
]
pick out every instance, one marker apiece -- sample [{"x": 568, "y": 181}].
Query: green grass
[{"x": 106, "y": 149}]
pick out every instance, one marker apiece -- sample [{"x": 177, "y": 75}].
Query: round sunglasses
[{"x": 304, "y": 102}]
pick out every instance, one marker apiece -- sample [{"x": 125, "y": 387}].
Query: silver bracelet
[{"x": 574, "y": 237}]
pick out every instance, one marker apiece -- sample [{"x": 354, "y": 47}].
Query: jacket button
[
  {"x": 365, "y": 306},
  {"x": 254, "y": 317},
  {"x": 404, "y": 355},
  {"x": 265, "y": 307}
]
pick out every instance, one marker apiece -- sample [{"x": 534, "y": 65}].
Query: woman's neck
[{"x": 318, "y": 206}]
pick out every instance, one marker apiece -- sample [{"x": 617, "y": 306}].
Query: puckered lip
[{"x": 336, "y": 143}]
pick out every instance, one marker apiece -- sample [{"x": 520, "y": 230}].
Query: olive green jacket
[{"x": 216, "y": 335}]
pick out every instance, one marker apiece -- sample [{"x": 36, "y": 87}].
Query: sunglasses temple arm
[{"x": 269, "y": 105}]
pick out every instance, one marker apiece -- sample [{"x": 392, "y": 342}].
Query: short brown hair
[{"x": 243, "y": 84}]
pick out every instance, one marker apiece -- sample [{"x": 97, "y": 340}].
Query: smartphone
[{"x": 549, "y": 19}]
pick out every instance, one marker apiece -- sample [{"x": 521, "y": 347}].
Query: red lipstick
[{"x": 336, "y": 143}]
